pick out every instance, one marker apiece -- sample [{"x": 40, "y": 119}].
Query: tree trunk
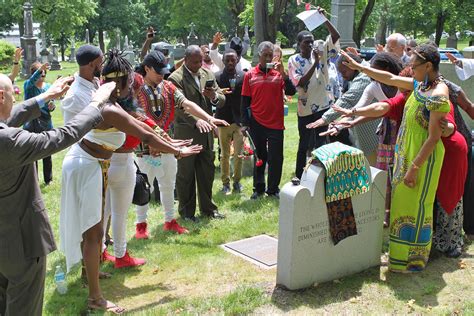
[
  {"x": 359, "y": 30},
  {"x": 101, "y": 39},
  {"x": 63, "y": 49},
  {"x": 273, "y": 20},
  {"x": 237, "y": 7},
  {"x": 440, "y": 19},
  {"x": 381, "y": 30},
  {"x": 258, "y": 22}
]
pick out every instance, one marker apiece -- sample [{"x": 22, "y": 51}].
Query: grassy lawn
[{"x": 191, "y": 274}]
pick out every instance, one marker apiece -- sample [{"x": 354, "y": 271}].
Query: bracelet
[{"x": 415, "y": 166}]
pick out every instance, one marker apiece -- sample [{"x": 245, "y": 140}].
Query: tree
[
  {"x": 266, "y": 23},
  {"x": 359, "y": 29}
]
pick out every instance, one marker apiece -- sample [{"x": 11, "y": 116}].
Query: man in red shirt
[{"x": 263, "y": 91}]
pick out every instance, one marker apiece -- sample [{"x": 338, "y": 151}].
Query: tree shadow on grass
[
  {"x": 114, "y": 289},
  {"x": 422, "y": 287}
]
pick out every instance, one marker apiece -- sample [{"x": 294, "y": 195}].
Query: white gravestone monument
[{"x": 306, "y": 252}]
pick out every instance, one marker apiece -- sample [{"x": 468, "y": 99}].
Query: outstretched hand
[
  {"x": 203, "y": 126},
  {"x": 353, "y": 50},
  {"x": 217, "y": 38},
  {"x": 190, "y": 150},
  {"x": 217, "y": 122},
  {"x": 343, "y": 111},
  {"x": 18, "y": 52},
  {"x": 451, "y": 58},
  {"x": 58, "y": 88},
  {"x": 350, "y": 62},
  {"x": 316, "y": 124},
  {"x": 103, "y": 93},
  {"x": 181, "y": 142}
]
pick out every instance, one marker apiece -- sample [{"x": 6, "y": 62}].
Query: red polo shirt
[{"x": 266, "y": 92}]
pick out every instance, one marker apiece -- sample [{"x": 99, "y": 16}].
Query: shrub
[{"x": 7, "y": 51}]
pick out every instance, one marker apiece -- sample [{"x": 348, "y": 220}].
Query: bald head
[{"x": 6, "y": 97}]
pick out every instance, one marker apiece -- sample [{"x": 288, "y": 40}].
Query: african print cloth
[
  {"x": 346, "y": 173},
  {"x": 346, "y": 176}
]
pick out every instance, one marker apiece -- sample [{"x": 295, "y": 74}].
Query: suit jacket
[
  {"x": 184, "y": 123},
  {"x": 25, "y": 231}
]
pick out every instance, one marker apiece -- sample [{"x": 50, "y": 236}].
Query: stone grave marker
[
  {"x": 306, "y": 253},
  {"x": 260, "y": 250}
]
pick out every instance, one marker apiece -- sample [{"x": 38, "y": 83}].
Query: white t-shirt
[
  {"x": 243, "y": 65},
  {"x": 323, "y": 87},
  {"x": 78, "y": 96}
]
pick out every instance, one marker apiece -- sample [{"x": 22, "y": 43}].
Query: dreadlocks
[{"x": 116, "y": 68}]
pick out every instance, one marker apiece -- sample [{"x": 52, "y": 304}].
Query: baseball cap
[{"x": 157, "y": 61}]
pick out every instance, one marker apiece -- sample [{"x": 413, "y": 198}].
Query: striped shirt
[{"x": 365, "y": 134}]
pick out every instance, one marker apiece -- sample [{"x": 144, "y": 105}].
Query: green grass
[{"x": 191, "y": 274}]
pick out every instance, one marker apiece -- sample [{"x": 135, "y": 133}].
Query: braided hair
[{"x": 116, "y": 68}]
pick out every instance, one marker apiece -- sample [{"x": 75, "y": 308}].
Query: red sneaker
[
  {"x": 107, "y": 256},
  {"x": 141, "y": 232},
  {"x": 174, "y": 226},
  {"x": 127, "y": 261}
]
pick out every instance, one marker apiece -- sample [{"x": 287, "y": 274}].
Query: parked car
[
  {"x": 455, "y": 52},
  {"x": 367, "y": 52}
]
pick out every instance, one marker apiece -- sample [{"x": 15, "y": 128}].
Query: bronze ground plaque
[{"x": 260, "y": 250}]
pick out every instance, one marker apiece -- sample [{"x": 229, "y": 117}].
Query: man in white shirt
[
  {"x": 85, "y": 83},
  {"x": 396, "y": 44},
  {"x": 315, "y": 78},
  {"x": 207, "y": 61},
  {"x": 237, "y": 45}
]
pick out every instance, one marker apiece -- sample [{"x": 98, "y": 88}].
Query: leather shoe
[
  {"x": 256, "y": 195},
  {"x": 216, "y": 215},
  {"x": 193, "y": 219}
]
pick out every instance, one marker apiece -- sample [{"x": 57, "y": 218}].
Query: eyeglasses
[{"x": 413, "y": 66}]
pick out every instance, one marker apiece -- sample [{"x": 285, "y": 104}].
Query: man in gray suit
[
  {"x": 198, "y": 170},
  {"x": 26, "y": 236}
]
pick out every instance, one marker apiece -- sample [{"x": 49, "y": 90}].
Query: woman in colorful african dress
[{"x": 419, "y": 155}]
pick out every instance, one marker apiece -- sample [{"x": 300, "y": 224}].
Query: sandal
[{"x": 101, "y": 304}]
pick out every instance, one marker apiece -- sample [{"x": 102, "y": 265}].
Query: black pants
[
  {"x": 269, "y": 146},
  {"x": 47, "y": 169},
  {"x": 468, "y": 199},
  {"x": 310, "y": 139}
]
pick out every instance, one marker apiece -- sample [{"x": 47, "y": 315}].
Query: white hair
[
  {"x": 401, "y": 40},
  {"x": 264, "y": 45}
]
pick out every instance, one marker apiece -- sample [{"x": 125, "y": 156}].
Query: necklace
[{"x": 426, "y": 86}]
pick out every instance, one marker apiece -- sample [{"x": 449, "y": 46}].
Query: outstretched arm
[{"x": 379, "y": 75}]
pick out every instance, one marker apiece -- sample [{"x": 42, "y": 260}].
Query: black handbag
[{"x": 141, "y": 194}]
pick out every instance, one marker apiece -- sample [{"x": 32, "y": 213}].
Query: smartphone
[{"x": 209, "y": 83}]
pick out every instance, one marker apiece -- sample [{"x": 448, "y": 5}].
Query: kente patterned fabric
[{"x": 346, "y": 173}]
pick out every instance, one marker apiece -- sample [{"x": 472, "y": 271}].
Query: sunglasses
[{"x": 413, "y": 66}]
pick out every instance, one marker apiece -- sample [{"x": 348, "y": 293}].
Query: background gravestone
[
  {"x": 28, "y": 41},
  {"x": 306, "y": 253}
]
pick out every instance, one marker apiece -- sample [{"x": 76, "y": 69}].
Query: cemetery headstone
[
  {"x": 306, "y": 252},
  {"x": 72, "y": 57},
  {"x": 369, "y": 42},
  {"x": 87, "y": 37},
  {"x": 128, "y": 52},
  {"x": 55, "y": 65},
  {"x": 28, "y": 40},
  {"x": 192, "y": 37},
  {"x": 342, "y": 16},
  {"x": 44, "y": 53}
]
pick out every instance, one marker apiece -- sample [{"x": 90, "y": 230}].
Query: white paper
[{"x": 312, "y": 19}]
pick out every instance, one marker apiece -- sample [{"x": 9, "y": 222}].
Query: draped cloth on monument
[{"x": 346, "y": 176}]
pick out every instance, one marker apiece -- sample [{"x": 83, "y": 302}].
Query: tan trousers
[{"x": 226, "y": 135}]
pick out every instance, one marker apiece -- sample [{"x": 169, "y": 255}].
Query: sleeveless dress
[{"x": 411, "y": 217}]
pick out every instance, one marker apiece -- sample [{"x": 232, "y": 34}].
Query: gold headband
[
  {"x": 419, "y": 55},
  {"x": 115, "y": 75}
]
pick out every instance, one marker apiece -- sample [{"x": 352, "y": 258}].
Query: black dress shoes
[
  {"x": 193, "y": 219},
  {"x": 216, "y": 215}
]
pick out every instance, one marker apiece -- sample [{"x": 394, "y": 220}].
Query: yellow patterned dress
[{"x": 411, "y": 214}]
